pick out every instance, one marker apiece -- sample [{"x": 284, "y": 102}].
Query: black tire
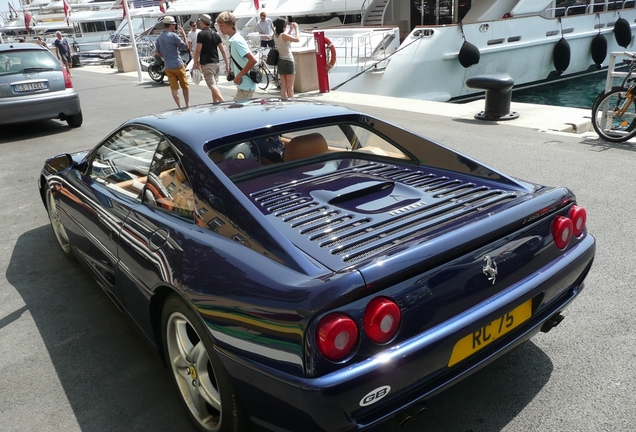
[
  {"x": 75, "y": 121},
  {"x": 265, "y": 81},
  {"x": 187, "y": 345},
  {"x": 610, "y": 125},
  {"x": 155, "y": 74},
  {"x": 57, "y": 226}
]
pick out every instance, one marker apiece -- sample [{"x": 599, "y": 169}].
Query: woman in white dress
[{"x": 286, "y": 66}]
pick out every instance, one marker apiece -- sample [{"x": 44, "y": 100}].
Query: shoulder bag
[{"x": 254, "y": 74}]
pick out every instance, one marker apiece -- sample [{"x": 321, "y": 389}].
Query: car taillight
[
  {"x": 561, "y": 231},
  {"x": 337, "y": 336},
  {"x": 67, "y": 79},
  {"x": 578, "y": 216},
  {"x": 382, "y": 319}
]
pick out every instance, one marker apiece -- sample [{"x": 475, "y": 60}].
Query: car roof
[
  {"x": 205, "y": 123},
  {"x": 21, "y": 46}
]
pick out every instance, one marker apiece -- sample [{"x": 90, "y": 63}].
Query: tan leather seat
[{"x": 304, "y": 146}]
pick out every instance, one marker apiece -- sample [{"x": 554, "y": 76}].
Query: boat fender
[
  {"x": 468, "y": 55},
  {"x": 332, "y": 54},
  {"x": 599, "y": 49},
  {"x": 622, "y": 32},
  {"x": 561, "y": 55}
]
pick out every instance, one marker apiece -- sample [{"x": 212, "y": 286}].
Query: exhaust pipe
[
  {"x": 407, "y": 415},
  {"x": 552, "y": 322},
  {"x": 415, "y": 410},
  {"x": 401, "y": 419}
]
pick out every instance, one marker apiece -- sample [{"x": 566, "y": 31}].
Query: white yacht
[{"x": 428, "y": 49}]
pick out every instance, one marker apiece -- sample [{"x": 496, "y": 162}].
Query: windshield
[{"x": 21, "y": 61}]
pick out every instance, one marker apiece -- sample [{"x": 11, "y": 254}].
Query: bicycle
[
  {"x": 614, "y": 111},
  {"x": 269, "y": 75}
]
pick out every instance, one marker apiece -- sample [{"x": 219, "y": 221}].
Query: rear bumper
[
  {"x": 43, "y": 106},
  {"x": 414, "y": 370}
]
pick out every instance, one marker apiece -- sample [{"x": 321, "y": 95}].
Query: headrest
[{"x": 304, "y": 146}]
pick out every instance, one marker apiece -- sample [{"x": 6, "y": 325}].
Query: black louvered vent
[{"x": 355, "y": 236}]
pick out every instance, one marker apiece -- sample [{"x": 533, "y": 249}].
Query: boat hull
[{"x": 426, "y": 64}]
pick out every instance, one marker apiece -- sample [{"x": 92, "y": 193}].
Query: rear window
[
  {"x": 332, "y": 141},
  {"x": 19, "y": 61}
]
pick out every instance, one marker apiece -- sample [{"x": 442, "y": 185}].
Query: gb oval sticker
[{"x": 375, "y": 395}]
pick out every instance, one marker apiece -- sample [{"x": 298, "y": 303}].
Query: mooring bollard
[{"x": 498, "y": 96}]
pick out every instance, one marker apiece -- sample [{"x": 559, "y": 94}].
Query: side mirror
[{"x": 59, "y": 163}]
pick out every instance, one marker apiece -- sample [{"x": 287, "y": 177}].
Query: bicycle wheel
[
  {"x": 265, "y": 81},
  {"x": 602, "y": 94},
  {"x": 276, "y": 78},
  {"x": 614, "y": 115}
]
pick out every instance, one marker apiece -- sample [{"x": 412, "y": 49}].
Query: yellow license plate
[{"x": 484, "y": 336}]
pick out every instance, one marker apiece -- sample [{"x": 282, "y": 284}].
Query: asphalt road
[{"x": 70, "y": 361}]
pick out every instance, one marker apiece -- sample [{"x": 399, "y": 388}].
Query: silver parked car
[{"x": 35, "y": 86}]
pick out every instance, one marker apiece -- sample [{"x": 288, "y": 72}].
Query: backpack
[{"x": 272, "y": 57}]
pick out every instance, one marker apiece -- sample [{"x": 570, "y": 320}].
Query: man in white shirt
[{"x": 192, "y": 37}]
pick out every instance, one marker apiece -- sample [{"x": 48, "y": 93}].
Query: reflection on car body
[{"x": 306, "y": 266}]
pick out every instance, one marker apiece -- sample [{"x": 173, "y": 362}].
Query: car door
[
  {"x": 99, "y": 199},
  {"x": 155, "y": 234}
]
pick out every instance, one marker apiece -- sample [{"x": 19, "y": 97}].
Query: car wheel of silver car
[
  {"x": 56, "y": 224},
  {"x": 76, "y": 120},
  {"x": 203, "y": 382}
]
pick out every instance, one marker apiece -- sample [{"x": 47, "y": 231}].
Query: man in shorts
[
  {"x": 241, "y": 57},
  {"x": 63, "y": 51},
  {"x": 206, "y": 56},
  {"x": 168, "y": 47}
]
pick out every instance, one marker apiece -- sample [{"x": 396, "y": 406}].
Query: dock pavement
[{"x": 544, "y": 118}]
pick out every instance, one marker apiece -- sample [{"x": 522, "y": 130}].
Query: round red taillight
[
  {"x": 562, "y": 231},
  {"x": 578, "y": 216},
  {"x": 337, "y": 336},
  {"x": 382, "y": 319}
]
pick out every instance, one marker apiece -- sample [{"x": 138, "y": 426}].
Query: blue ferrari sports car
[{"x": 303, "y": 266}]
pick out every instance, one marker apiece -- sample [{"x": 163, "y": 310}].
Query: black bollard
[{"x": 498, "y": 96}]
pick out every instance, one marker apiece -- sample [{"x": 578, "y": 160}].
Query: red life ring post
[{"x": 321, "y": 61}]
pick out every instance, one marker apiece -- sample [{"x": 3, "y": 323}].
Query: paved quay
[
  {"x": 71, "y": 361},
  {"x": 545, "y": 118}
]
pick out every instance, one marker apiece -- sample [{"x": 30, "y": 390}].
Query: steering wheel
[{"x": 246, "y": 150}]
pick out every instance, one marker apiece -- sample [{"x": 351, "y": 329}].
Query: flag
[
  {"x": 27, "y": 21},
  {"x": 256, "y": 5},
  {"x": 67, "y": 10}
]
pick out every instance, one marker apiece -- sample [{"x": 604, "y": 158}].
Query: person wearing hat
[
  {"x": 241, "y": 57},
  {"x": 265, "y": 28},
  {"x": 206, "y": 56},
  {"x": 168, "y": 47}
]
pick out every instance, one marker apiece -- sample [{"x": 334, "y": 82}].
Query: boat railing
[
  {"x": 364, "y": 7},
  {"x": 360, "y": 48},
  {"x": 592, "y": 7}
]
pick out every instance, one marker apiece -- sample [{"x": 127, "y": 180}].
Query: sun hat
[
  {"x": 205, "y": 18},
  {"x": 168, "y": 20},
  {"x": 196, "y": 76}
]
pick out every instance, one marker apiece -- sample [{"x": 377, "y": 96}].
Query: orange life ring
[{"x": 332, "y": 51}]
